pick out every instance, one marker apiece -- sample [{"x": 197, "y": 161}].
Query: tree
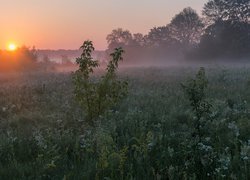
[
  {"x": 22, "y": 59},
  {"x": 224, "y": 10},
  {"x": 195, "y": 89},
  {"x": 224, "y": 38},
  {"x": 160, "y": 37},
  {"x": 138, "y": 40},
  {"x": 65, "y": 60},
  {"x": 96, "y": 97},
  {"x": 186, "y": 27},
  {"x": 119, "y": 38},
  {"x": 46, "y": 59},
  {"x": 228, "y": 30}
]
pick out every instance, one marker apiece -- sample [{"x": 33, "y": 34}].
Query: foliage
[
  {"x": 227, "y": 10},
  {"x": 186, "y": 27},
  {"x": 222, "y": 32},
  {"x": 23, "y": 59},
  {"x": 98, "y": 97},
  {"x": 161, "y": 37},
  {"x": 119, "y": 38},
  {"x": 225, "y": 39},
  {"x": 227, "y": 31},
  {"x": 195, "y": 90}
]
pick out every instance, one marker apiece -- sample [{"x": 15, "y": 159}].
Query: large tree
[
  {"x": 119, "y": 38},
  {"x": 160, "y": 37},
  {"x": 228, "y": 30},
  {"x": 224, "y": 10},
  {"x": 186, "y": 27},
  {"x": 23, "y": 59},
  {"x": 224, "y": 39},
  {"x": 138, "y": 40}
]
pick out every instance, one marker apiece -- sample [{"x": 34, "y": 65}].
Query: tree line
[
  {"x": 22, "y": 59},
  {"x": 223, "y": 31},
  {"x": 25, "y": 59}
]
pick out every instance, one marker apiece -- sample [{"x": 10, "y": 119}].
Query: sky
[{"x": 65, "y": 24}]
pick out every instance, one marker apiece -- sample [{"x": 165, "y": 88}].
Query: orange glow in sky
[{"x": 64, "y": 24}]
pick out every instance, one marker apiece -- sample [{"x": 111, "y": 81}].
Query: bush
[{"x": 96, "y": 97}]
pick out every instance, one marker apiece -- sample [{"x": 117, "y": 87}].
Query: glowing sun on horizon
[{"x": 12, "y": 47}]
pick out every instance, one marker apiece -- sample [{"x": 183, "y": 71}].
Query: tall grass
[{"x": 149, "y": 136}]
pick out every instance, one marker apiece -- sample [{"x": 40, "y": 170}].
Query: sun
[{"x": 12, "y": 47}]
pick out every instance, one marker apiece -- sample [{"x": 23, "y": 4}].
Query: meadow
[{"x": 150, "y": 135}]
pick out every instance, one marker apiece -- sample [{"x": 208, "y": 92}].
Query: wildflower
[
  {"x": 235, "y": 128},
  {"x": 4, "y": 109}
]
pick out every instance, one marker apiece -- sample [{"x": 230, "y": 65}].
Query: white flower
[{"x": 235, "y": 128}]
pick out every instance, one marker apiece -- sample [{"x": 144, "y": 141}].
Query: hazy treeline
[
  {"x": 30, "y": 59},
  {"x": 223, "y": 31},
  {"x": 19, "y": 60},
  {"x": 63, "y": 55}
]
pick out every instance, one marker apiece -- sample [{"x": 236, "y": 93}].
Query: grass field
[{"x": 150, "y": 135}]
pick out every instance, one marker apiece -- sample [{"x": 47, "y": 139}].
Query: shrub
[
  {"x": 96, "y": 97},
  {"x": 202, "y": 152},
  {"x": 195, "y": 90}
]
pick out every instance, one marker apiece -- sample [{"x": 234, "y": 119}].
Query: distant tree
[
  {"x": 186, "y": 27},
  {"x": 46, "y": 59},
  {"x": 65, "y": 60},
  {"x": 224, "y": 10},
  {"x": 28, "y": 59},
  {"x": 228, "y": 31},
  {"x": 28, "y": 54},
  {"x": 224, "y": 38},
  {"x": 119, "y": 38},
  {"x": 46, "y": 64},
  {"x": 22, "y": 59},
  {"x": 160, "y": 37},
  {"x": 138, "y": 40}
]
